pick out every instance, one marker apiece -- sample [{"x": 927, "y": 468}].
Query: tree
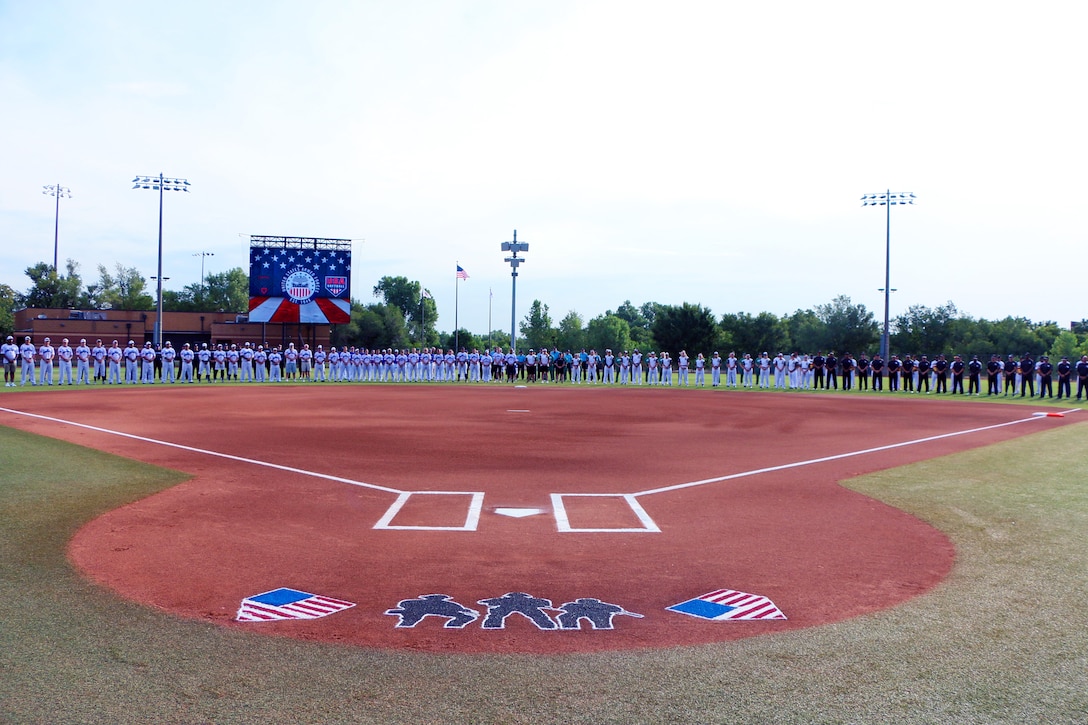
[
  {"x": 123, "y": 290},
  {"x": 47, "y": 289},
  {"x": 806, "y": 332},
  {"x": 1067, "y": 345},
  {"x": 571, "y": 336},
  {"x": 848, "y": 327},
  {"x": 608, "y": 332},
  {"x": 225, "y": 291},
  {"x": 7, "y": 310},
  {"x": 763, "y": 333},
  {"x": 688, "y": 327},
  {"x": 641, "y": 336},
  {"x": 925, "y": 330},
  {"x": 537, "y": 327},
  {"x": 408, "y": 297}
]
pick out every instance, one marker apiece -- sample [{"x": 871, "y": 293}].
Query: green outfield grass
[{"x": 1003, "y": 640}]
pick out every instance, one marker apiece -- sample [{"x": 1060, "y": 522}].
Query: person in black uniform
[
  {"x": 1027, "y": 375},
  {"x": 847, "y": 365},
  {"x": 974, "y": 372},
  {"x": 1046, "y": 389},
  {"x": 893, "y": 373},
  {"x": 957, "y": 368},
  {"x": 878, "y": 372},
  {"x": 908, "y": 373},
  {"x": 831, "y": 364},
  {"x": 1010, "y": 375},
  {"x": 1064, "y": 370},
  {"x": 863, "y": 372},
  {"x": 818, "y": 371},
  {"x": 924, "y": 368},
  {"x": 940, "y": 367},
  {"x": 993, "y": 372},
  {"x": 1082, "y": 377}
]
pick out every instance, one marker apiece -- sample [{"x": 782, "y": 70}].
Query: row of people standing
[{"x": 131, "y": 364}]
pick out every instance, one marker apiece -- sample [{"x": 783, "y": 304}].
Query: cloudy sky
[{"x": 705, "y": 152}]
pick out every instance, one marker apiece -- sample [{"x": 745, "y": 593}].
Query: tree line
[{"x": 406, "y": 316}]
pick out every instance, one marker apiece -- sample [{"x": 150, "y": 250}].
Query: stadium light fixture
[
  {"x": 887, "y": 200},
  {"x": 514, "y": 247},
  {"x": 58, "y": 191},
  {"x": 202, "y": 255},
  {"x": 160, "y": 184}
]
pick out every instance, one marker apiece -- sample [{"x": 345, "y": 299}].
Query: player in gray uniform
[
  {"x": 167, "y": 356},
  {"x": 9, "y": 353},
  {"x": 46, "y": 353},
  {"x": 27, "y": 351},
  {"x": 65, "y": 355},
  {"x": 148, "y": 356},
  {"x": 98, "y": 355},
  {"x": 83, "y": 363}
]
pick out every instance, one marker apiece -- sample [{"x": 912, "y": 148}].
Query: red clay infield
[{"x": 820, "y": 552}]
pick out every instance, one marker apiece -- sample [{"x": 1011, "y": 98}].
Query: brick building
[{"x": 178, "y": 327}]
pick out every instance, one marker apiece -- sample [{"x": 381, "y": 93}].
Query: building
[{"x": 178, "y": 327}]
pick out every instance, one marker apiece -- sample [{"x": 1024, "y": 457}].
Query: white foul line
[
  {"x": 191, "y": 449},
  {"x": 812, "y": 461}
]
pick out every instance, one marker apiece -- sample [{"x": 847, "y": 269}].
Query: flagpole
[
  {"x": 490, "y": 295},
  {"x": 423, "y": 316},
  {"x": 456, "y": 332}
]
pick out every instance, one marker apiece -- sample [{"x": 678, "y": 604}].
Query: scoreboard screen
[{"x": 299, "y": 279}]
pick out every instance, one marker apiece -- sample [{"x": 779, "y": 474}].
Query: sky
[{"x": 705, "y": 152}]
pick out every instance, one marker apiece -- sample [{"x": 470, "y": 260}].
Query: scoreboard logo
[
  {"x": 300, "y": 285},
  {"x": 336, "y": 285}
]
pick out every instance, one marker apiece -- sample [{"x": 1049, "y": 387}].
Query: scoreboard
[{"x": 299, "y": 279}]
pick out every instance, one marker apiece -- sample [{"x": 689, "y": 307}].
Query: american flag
[
  {"x": 284, "y": 603},
  {"x": 729, "y": 604},
  {"x": 461, "y": 273}
]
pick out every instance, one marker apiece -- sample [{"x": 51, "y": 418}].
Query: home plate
[{"x": 518, "y": 513}]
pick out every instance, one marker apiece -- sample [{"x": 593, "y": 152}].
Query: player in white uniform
[
  {"x": 700, "y": 370},
  {"x": 83, "y": 363},
  {"x": 319, "y": 365},
  {"x": 731, "y": 370},
  {"x": 716, "y": 370},
  {"x": 682, "y": 367},
  {"x": 65, "y": 355},
  {"x": 204, "y": 363},
  {"x": 247, "y": 363},
  {"x": 764, "y": 371},
  {"x": 27, "y": 351},
  {"x": 666, "y": 369},
  {"x": 147, "y": 355},
  {"x": 132, "y": 358},
  {"x": 187, "y": 356},
  {"x": 274, "y": 359},
  {"x": 746, "y": 366},
  {"x": 46, "y": 353},
  {"x": 9, "y": 353},
  {"x": 260, "y": 364},
  {"x": 98, "y": 354},
  {"x": 115, "y": 355},
  {"x": 167, "y": 356}
]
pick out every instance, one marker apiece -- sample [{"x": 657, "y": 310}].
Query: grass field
[{"x": 1002, "y": 640}]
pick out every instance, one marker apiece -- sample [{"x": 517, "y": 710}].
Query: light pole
[
  {"x": 159, "y": 184},
  {"x": 514, "y": 247},
  {"x": 58, "y": 191},
  {"x": 202, "y": 255},
  {"x": 887, "y": 200}
]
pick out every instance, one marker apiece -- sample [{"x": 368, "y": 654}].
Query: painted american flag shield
[
  {"x": 284, "y": 603},
  {"x": 729, "y": 605}
]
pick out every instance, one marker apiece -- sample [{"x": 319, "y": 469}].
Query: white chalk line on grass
[
  {"x": 191, "y": 449},
  {"x": 825, "y": 459}
]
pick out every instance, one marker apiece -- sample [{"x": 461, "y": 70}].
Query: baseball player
[
  {"x": 167, "y": 356},
  {"x": 187, "y": 356},
  {"x": 46, "y": 353},
  {"x": 27, "y": 351},
  {"x": 83, "y": 363},
  {"x": 115, "y": 355},
  {"x": 9, "y": 353},
  {"x": 65, "y": 355}
]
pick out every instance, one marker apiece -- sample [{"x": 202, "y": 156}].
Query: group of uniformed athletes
[{"x": 132, "y": 364}]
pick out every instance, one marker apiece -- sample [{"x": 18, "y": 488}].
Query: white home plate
[{"x": 518, "y": 513}]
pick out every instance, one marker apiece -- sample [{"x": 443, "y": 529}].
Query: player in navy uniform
[
  {"x": 830, "y": 366},
  {"x": 1046, "y": 389},
  {"x": 1064, "y": 370},
  {"x": 924, "y": 366},
  {"x": 1082, "y": 377},
  {"x": 940, "y": 367},
  {"x": 993, "y": 376},
  {"x": 877, "y": 365},
  {"x": 1027, "y": 375},
  {"x": 893, "y": 373}
]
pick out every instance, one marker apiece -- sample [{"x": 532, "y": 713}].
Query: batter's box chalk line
[{"x": 475, "y": 507}]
